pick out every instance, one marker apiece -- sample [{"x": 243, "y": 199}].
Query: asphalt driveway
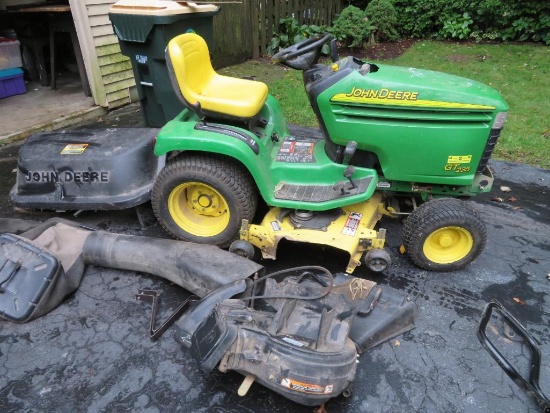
[{"x": 93, "y": 354}]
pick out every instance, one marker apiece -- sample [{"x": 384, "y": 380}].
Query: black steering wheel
[{"x": 304, "y": 54}]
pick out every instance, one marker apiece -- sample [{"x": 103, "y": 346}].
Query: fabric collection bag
[{"x": 40, "y": 265}]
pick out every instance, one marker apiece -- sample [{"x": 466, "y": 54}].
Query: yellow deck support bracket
[{"x": 352, "y": 230}]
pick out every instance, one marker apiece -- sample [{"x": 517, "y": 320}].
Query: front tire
[
  {"x": 204, "y": 199},
  {"x": 444, "y": 235}
]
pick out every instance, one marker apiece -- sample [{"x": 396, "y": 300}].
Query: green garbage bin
[{"x": 144, "y": 28}]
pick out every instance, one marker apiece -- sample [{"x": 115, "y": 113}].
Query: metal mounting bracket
[{"x": 152, "y": 296}]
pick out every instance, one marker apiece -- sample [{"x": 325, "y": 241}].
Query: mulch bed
[{"x": 380, "y": 51}]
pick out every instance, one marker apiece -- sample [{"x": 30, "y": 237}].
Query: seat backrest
[{"x": 189, "y": 66}]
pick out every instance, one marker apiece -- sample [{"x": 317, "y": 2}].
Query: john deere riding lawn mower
[{"x": 395, "y": 140}]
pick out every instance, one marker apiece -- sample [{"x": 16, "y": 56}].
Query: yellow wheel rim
[
  {"x": 448, "y": 244},
  {"x": 198, "y": 209}
]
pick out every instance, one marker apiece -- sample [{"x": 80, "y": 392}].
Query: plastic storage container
[
  {"x": 11, "y": 82},
  {"x": 144, "y": 28},
  {"x": 10, "y": 55}
]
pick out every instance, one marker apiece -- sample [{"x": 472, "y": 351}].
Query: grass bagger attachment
[
  {"x": 301, "y": 337},
  {"x": 297, "y": 332}
]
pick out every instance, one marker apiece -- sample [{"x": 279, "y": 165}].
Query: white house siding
[{"x": 110, "y": 73}]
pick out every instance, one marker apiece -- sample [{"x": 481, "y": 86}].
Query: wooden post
[{"x": 254, "y": 17}]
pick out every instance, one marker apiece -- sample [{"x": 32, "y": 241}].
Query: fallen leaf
[
  {"x": 402, "y": 249},
  {"x": 505, "y": 189},
  {"x": 497, "y": 199},
  {"x": 519, "y": 301},
  {"x": 320, "y": 409},
  {"x": 397, "y": 343},
  {"x": 512, "y": 199}
]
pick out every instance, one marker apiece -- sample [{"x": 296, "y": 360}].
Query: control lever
[
  {"x": 349, "y": 151},
  {"x": 334, "y": 50},
  {"x": 348, "y": 173}
]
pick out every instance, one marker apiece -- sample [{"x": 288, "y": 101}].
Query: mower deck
[{"x": 349, "y": 228}]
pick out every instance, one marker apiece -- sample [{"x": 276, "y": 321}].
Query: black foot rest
[{"x": 322, "y": 193}]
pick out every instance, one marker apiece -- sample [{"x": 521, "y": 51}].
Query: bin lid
[
  {"x": 11, "y": 72},
  {"x": 160, "y": 7}
]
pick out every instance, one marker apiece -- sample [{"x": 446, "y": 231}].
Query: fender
[
  {"x": 275, "y": 184},
  {"x": 187, "y": 133},
  {"x": 232, "y": 133}
]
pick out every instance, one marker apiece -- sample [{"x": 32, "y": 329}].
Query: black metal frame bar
[{"x": 529, "y": 385}]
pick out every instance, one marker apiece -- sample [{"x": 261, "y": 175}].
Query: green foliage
[
  {"x": 383, "y": 16},
  {"x": 457, "y": 26},
  {"x": 417, "y": 18},
  {"x": 351, "y": 27},
  {"x": 291, "y": 32},
  {"x": 508, "y": 20}
]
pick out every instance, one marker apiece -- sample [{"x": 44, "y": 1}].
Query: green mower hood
[
  {"x": 415, "y": 122},
  {"x": 419, "y": 89}
]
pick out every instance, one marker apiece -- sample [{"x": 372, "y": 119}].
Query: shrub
[
  {"x": 418, "y": 18},
  {"x": 517, "y": 20},
  {"x": 383, "y": 17},
  {"x": 457, "y": 26},
  {"x": 291, "y": 32},
  {"x": 351, "y": 27}
]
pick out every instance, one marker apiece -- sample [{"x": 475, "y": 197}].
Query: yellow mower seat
[{"x": 189, "y": 63}]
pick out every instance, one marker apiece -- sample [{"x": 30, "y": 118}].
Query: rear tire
[
  {"x": 444, "y": 235},
  {"x": 204, "y": 199}
]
